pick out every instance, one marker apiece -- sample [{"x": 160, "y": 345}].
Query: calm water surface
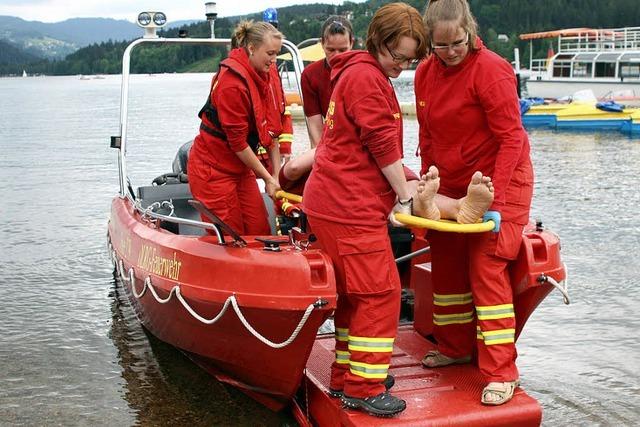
[{"x": 72, "y": 352}]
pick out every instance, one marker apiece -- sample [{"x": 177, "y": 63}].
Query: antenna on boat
[
  {"x": 151, "y": 21},
  {"x": 211, "y": 10}
]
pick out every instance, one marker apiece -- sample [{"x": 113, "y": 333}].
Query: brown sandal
[
  {"x": 504, "y": 391},
  {"x": 435, "y": 359}
]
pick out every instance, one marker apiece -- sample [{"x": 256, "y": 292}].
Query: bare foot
[
  {"x": 424, "y": 203},
  {"x": 478, "y": 199}
]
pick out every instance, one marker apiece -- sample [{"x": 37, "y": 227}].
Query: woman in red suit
[
  {"x": 469, "y": 119},
  {"x": 356, "y": 182},
  {"x": 336, "y": 36},
  {"x": 223, "y": 164}
]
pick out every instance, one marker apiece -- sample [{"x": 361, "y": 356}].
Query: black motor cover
[{"x": 182, "y": 158}]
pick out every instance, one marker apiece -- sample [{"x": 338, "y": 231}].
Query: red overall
[
  {"x": 469, "y": 120},
  {"x": 217, "y": 176},
  {"x": 278, "y": 118},
  {"x": 316, "y": 88},
  {"x": 347, "y": 200}
]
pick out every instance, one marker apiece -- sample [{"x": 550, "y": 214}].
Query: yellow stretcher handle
[
  {"x": 290, "y": 196},
  {"x": 445, "y": 225},
  {"x": 416, "y": 221}
]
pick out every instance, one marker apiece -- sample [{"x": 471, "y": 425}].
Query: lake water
[{"x": 72, "y": 352}]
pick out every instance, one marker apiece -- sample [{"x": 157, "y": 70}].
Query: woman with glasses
[
  {"x": 336, "y": 36},
  {"x": 469, "y": 119},
  {"x": 357, "y": 181}
]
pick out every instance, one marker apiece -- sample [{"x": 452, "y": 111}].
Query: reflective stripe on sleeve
[{"x": 285, "y": 137}]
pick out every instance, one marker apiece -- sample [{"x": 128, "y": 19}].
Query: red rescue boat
[{"x": 247, "y": 308}]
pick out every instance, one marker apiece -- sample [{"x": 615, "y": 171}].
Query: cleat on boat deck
[{"x": 382, "y": 405}]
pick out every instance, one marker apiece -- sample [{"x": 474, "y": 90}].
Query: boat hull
[{"x": 272, "y": 291}]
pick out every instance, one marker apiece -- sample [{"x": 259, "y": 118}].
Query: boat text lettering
[{"x": 165, "y": 267}]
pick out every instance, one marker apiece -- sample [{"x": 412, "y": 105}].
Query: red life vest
[{"x": 237, "y": 63}]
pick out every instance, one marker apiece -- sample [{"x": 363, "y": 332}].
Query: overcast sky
[{"x": 176, "y": 10}]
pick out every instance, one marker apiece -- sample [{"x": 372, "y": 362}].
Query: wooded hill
[{"x": 298, "y": 23}]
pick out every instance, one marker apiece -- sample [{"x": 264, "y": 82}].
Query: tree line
[{"x": 298, "y": 23}]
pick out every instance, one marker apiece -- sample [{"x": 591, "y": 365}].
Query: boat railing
[
  {"x": 601, "y": 40},
  {"x": 540, "y": 66},
  {"x": 120, "y": 141}
]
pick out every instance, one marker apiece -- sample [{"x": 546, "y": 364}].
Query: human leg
[
  {"x": 453, "y": 317},
  {"x": 325, "y": 232},
  {"x": 367, "y": 278},
  {"x": 424, "y": 201},
  {"x": 493, "y": 298},
  {"x": 478, "y": 199},
  {"x": 252, "y": 209},
  {"x": 218, "y": 191},
  {"x": 466, "y": 210}
]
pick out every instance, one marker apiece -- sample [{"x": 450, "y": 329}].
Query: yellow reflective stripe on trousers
[
  {"x": 371, "y": 344},
  {"x": 342, "y": 334},
  {"x": 450, "y": 319},
  {"x": 492, "y": 312},
  {"x": 342, "y": 357},
  {"x": 479, "y": 333},
  {"x": 444, "y": 300},
  {"x": 285, "y": 137},
  {"x": 366, "y": 370},
  {"x": 500, "y": 336}
]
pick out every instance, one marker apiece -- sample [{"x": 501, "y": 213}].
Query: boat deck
[{"x": 436, "y": 397}]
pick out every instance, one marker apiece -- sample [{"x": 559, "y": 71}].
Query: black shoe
[
  {"x": 388, "y": 383},
  {"x": 382, "y": 405}
]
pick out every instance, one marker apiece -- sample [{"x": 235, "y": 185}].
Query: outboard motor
[
  {"x": 179, "y": 167},
  {"x": 182, "y": 158}
]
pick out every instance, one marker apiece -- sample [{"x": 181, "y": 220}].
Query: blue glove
[{"x": 495, "y": 217}]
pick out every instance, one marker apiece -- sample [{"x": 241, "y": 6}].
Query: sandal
[
  {"x": 504, "y": 391},
  {"x": 435, "y": 359}
]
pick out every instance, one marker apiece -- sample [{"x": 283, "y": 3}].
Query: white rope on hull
[{"x": 230, "y": 301}]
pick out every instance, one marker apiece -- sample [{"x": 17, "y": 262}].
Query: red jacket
[
  {"x": 316, "y": 88},
  {"x": 239, "y": 95},
  {"x": 362, "y": 134},
  {"x": 469, "y": 119},
  {"x": 276, "y": 104}
]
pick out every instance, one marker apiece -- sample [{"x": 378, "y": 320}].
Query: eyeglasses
[
  {"x": 454, "y": 46},
  {"x": 401, "y": 59}
]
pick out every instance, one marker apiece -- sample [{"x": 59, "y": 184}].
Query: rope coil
[{"x": 230, "y": 301}]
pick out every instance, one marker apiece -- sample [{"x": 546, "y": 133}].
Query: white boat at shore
[{"x": 606, "y": 61}]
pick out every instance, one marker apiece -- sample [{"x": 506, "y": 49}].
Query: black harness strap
[{"x": 212, "y": 115}]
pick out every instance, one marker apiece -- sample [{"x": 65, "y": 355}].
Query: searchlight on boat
[{"x": 151, "y": 21}]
